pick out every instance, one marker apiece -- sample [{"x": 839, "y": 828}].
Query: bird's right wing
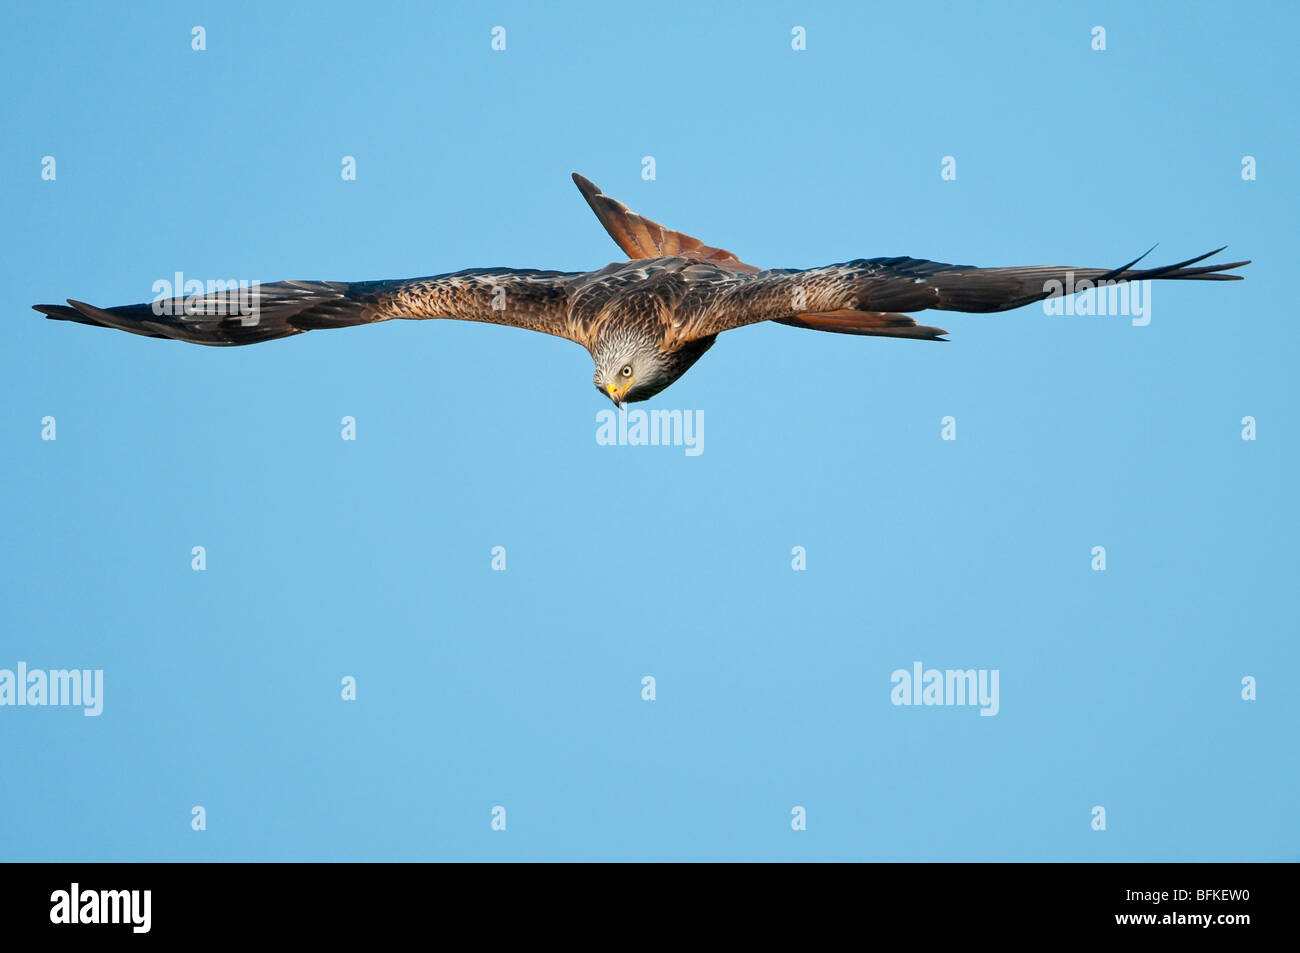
[{"x": 535, "y": 300}]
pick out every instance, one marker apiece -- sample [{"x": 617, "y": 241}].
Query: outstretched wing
[
  {"x": 641, "y": 238},
  {"x": 536, "y": 300},
  {"x": 864, "y": 296},
  {"x": 858, "y": 297}
]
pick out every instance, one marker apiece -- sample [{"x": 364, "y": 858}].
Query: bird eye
[{"x": 627, "y": 370}]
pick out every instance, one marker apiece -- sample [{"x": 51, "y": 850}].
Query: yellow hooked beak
[{"x": 616, "y": 393}]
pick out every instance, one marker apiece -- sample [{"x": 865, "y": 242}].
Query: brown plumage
[
  {"x": 641, "y": 238},
  {"x": 645, "y": 321}
]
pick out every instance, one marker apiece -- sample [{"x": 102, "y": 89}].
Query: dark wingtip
[
  {"x": 1181, "y": 269},
  {"x": 81, "y": 307},
  {"x": 1116, "y": 272}
]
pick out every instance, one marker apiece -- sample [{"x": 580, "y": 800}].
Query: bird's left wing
[
  {"x": 535, "y": 300},
  {"x": 866, "y": 296}
]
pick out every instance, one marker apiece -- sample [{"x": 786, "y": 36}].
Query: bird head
[
  {"x": 625, "y": 377},
  {"x": 630, "y": 369}
]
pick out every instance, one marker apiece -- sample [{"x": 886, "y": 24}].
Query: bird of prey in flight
[{"x": 644, "y": 321}]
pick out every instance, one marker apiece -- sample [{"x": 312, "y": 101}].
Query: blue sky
[{"x": 522, "y": 689}]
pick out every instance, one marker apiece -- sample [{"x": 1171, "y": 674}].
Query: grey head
[{"x": 631, "y": 364}]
